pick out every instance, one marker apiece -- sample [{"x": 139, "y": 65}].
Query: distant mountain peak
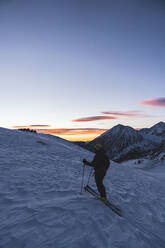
[
  {"x": 158, "y": 129},
  {"x": 118, "y": 128},
  {"x": 159, "y": 124},
  {"x": 122, "y": 126},
  {"x": 116, "y": 139},
  {"x": 127, "y": 142}
]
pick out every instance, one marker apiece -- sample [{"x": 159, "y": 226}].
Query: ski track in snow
[{"x": 41, "y": 205}]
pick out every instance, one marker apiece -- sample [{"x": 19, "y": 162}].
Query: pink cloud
[
  {"x": 31, "y": 126},
  {"x": 95, "y": 118},
  {"x": 158, "y": 102},
  {"x": 39, "y": 126},
  {"x": 131, "y": 114}
]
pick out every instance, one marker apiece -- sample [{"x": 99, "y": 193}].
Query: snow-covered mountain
[
  {"x": 117, "y": 139},
  {"x": 124, "y": 143},
  {"x": 41, "y": 205},
  {"x": 158, "y": 130}
]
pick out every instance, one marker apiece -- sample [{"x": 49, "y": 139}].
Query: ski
[{"x": 108, "y": 203}]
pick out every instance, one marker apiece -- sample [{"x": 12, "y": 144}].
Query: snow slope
[{"x": 40, "y": 204}]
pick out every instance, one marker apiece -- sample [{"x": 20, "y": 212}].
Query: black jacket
[{"x": 100, "y": 161}]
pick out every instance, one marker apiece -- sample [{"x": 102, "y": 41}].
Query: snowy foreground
[{"x": 40, "y": 204}]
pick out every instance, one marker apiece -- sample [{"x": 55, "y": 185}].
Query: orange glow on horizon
[
  {"x": 82, "y": 137},
  {"x": 74, "y": 134},
  {"x": 77, "y": 134}
]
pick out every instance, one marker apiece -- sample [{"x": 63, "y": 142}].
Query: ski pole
[
  {"x": 82, "y": 179},
  {"x": 90, "y": 175}
]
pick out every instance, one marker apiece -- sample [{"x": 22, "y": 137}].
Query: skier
[{"x": 101, "y": 164}]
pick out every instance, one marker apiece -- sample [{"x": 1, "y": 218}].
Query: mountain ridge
[{"x": 125, "y": 141}]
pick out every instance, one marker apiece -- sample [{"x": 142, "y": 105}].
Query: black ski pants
[{"x": 99, "y": 176}]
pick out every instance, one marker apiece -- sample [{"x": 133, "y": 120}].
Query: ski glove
[{"x": 85, "y": 161}]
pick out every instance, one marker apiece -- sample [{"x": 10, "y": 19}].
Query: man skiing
[{"x": 101, "y": 164}]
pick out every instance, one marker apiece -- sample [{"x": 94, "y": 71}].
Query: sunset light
[
  {"x": 76, "y": 69},
  {"x": 82, "y": 124}
]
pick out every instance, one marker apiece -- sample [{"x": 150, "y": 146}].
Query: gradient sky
[{"x": 80, "y": 67}]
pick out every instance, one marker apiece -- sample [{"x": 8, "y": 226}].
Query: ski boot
[{"x": 104, "y": 199}]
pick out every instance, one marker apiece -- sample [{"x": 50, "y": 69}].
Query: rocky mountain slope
[{"x": 124, "y": 143}]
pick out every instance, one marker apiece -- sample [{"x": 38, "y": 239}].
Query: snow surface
[{"x": 41, "y": 205}]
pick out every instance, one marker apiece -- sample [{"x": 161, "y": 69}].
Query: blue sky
[{"x": 67, "y": 60}]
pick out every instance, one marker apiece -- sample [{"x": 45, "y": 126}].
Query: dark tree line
[{"x": 27, "y": 130}]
